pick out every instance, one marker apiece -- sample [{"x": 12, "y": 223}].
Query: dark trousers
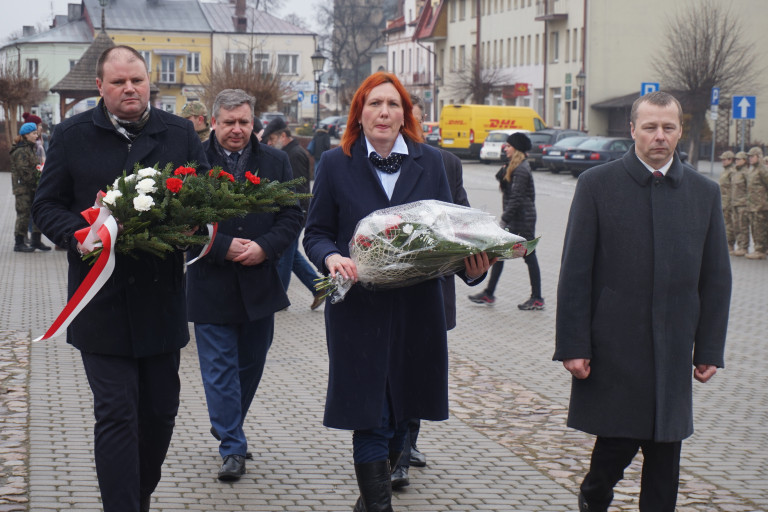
[
  {"x": 135, "y": 402},
  {"x": 412, "y": 429},
  {"x": 376, "y": 444},
  {"x": 660, "y": 476},
  {"x": 534, "y": 274}
]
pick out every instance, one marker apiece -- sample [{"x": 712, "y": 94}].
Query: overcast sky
[{"x": 34, "y": 12}]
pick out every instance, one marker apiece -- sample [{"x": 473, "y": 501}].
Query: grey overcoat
[{"x": 644, "y": 292}]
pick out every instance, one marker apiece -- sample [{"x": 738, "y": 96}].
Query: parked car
[
  {"x": 431, "y": 133},
  {"x": 595, "y": 151},
  {"x": 552, "y": 157},
  {"x": 545, "y": 138},
  {"x": 331, "y": 124},
  {"x": 492, "y": 149},
  {"x": 266, "y": 117}
]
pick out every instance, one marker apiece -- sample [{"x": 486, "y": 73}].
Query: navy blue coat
[
  {"x": 644, "y": 291},
  {"x": 386, "y": 341},
  {"x": 141, "y": 310},
  {"x": 221, "y": 291}
]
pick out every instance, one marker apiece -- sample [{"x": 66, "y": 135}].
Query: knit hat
[
  {"x": 274, "y": 125},
  {"x": 194, "y": 108},
  {"x": 726, "y": 155},
  {"x": 27, "y": 128},
  {"x": 519, "y": 141},
  {"x": 741, "y": 155},
  {"x": 31, "y": 118}
]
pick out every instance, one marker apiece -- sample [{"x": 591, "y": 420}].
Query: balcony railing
[{"x": 548, "y": 10}]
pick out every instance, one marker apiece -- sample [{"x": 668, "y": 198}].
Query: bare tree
[
  {"x": 249, "y": 76},
  {"x": 476, "y": 82},
  {"x": 705, "y": 48},
  {"x": 18, "y": 89}
]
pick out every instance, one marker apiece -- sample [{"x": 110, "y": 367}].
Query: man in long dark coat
[{"x": 644, "y": 292}]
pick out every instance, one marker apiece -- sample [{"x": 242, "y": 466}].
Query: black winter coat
[
  {"x": 518, "y": 201},
  {"x": 141, "y": 310}
]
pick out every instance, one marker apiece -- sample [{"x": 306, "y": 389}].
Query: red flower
[
  {"x": 183, "y": 171},
  {"x": 174, "y": 184},
  {"x": 222, "y": 174},
  {"x": 252, "y": 178},
  {"x": 363, "y": 241}
]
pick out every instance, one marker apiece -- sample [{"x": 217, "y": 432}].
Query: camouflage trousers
[
  {"x": 24, "y": 212},
  {"x": 730, "y": 226},
  {"x": 758, "y": 225},
  {"x": 740, "y": 218}
]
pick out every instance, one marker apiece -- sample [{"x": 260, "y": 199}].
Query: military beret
[
  {"x": 27, "y": 128},
  {"x": 194, "y": 108}
]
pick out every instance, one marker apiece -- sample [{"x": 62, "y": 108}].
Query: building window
[
  {"x": 147, "y": 58},
  {"x": 261, "y": 62},
  {"x": 528, "y": 55},
  {"x": 554, "y": 41},
  {"x": 567, "y": 44},
  {"x": 168, "y": 104},
  {"x": 394, "y": 54},
  {"x": 168, "y": 69},
  {"x": 235, "y": 61},
  {"x": 462, "y": 9},
  {"x": 410, "y": 60},
  {"x": 514, "y": 51},
  {"x": 193, "y": 62},
  {"x": 509, "y": 52},
  {"x": 402, "y": 61},
  {"x": 452, "y": 10},
  {"x": 32, "y": 67},
  {"x": 288, "y": 64},
  {"x": 537, "y": 50},
  {"x": 72, "y": 64},
  {"x": 462, "y": 57},
  {"x": 452, "y": 59}
]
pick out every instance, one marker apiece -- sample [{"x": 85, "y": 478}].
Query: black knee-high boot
[{"x": 375, "y": 487}]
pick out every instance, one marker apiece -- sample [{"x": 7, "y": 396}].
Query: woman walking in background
[{"x": 518, "y": 217}]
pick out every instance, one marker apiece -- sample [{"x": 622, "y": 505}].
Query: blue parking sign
[
  {"x": 647, "y": 87},
  {"x": 715, "y": 96},
  {"x": 300, "y": 96},
  {"x": 744, "y": 107}
]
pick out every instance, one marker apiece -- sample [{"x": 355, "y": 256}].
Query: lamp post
[
  {"x": 581, "y": 79},
  {"x": 103, "y": 4},
  {"x": 318, "y": 62}
]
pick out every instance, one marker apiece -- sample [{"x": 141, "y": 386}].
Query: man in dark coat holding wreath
[{"x": 643, "y": 302}]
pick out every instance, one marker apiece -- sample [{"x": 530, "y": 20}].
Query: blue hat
[{"x": 27, "y": 128}]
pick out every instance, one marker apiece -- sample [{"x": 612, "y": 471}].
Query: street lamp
[
  {"x": 318, "y": 62},
  {"x": 581, "y": 79}
]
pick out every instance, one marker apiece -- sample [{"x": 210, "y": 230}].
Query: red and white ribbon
[
  {"x": 103, "y": 228},
  {"x": 212, "y": 230}
]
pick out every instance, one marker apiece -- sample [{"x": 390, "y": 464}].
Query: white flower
[
  {"x": 408, "y": 229},
  {"x": 130, "y": 178},
  {"x": 147, "y": 172},
  {"x": 117, "y": 182},
  {"x": 143, "y": 203},
  {"x": 111, "y": 196},
  {"x": 146, "y": 186}
]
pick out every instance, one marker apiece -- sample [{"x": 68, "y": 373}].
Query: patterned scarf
[
  {"x": 233, "y": 165},
  {"x": 390, "y": 165},
  {"x": 128, "y": 129}
]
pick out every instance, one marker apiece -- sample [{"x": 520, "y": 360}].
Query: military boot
[
  {"x": 21, "y": 246},
  {"x": 739, "y": 252},
  {"x": 37, "y": 243},
  {"x": 756, "y": 256}
]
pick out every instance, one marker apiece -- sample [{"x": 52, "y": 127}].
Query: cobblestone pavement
[{"x": 505, "y": 447}]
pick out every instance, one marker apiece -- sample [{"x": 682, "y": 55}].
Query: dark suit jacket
[
  {"x": 141, "y": 310},
  {"x": 382, "y": 344},
  {"x": 453, "y": 172},
  {"x": 221, "y": 291},
  {"x": 645, "y": 282}
]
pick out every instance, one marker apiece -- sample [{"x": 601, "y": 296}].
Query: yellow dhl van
[{"x": 463, "y": 127}]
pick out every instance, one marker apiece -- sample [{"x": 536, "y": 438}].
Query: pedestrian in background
[
  {"x": 39, "y": 146},
  {"x": 197, "y": 112},
  {"x": 739, "y": 203},
  {"x": 233, "y": 293},
  {"x": 383, "y": 345},
  {"x": 757, "y": 203},
  {"x": 642, "y": 303},
  {"x": 24, "y": 177},
  {"x": 131, "y": 332},
  {"x": 726, "y": 197},
  {"x": 278, "y": 135},
  {"x": 518, "y": 217},
  {"x": 321, "y": 142}
]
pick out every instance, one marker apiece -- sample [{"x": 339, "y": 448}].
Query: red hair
[{"x": 411, "y": 128}]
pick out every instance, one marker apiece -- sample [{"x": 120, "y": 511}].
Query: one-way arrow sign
[{"x": 744, "y": 107}]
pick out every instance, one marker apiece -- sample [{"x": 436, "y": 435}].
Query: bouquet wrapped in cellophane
[
  {"x": 158, "y": 209},
  {"x": 410, "y": 243}
]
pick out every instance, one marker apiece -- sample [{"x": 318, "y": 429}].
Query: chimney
[
  {"x": 74, "y": 12},
  {"x": 27, "y": 30},
  {"x": 239, "y": 19}
]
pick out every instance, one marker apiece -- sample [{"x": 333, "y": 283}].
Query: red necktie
[{"x": 658, "y": 174}]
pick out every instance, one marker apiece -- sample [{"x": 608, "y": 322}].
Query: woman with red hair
[{"x": 387, "y": 349}]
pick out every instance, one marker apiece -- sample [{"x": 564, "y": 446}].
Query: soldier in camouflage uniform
[
  {"x": 739, "y": 204},
  {"x": 196, "y": 112},
  {"x": 725, "y": 194},
  {"x": 24, "y": 175},
  {"x": 757, "y": 203}
]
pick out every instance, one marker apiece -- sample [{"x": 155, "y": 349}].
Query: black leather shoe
[
  {"x": 216, "y": 436},
  {"x": 417, "y": 458},
  {"x": 400, "y": 478},
  {"x": 232, "y": 468}
]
